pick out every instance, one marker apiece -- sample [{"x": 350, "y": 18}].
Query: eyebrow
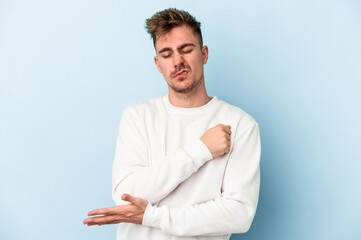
[{"x": 178, "y": 48}]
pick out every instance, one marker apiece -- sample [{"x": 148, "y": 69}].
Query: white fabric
[{"x": 159, "y": 157}]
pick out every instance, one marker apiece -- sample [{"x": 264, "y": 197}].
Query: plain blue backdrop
[{"x": 68, "y": 68}]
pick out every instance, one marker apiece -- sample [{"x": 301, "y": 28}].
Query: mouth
[{"x": 181, "y": 74}]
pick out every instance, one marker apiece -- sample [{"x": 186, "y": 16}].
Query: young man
[{"x": 179, "y": 172}]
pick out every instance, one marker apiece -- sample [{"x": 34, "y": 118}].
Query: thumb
[{"x": 129, "y": 198}]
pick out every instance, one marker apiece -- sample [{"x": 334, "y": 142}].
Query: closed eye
[
  {"x": 186, "y": 51},
  {"x": 166, "y": 56},
  {"x": 186, "y": 48}
]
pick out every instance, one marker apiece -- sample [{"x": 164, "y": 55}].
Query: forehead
[{"x": 176, "y": 37}]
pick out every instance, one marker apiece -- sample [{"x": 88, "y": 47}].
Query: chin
[{"x": 184, "y": 88}]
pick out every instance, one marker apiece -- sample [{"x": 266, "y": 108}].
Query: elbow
[
  {"x": 244, "y": 227},
  {"x": 244, "y": 222}
]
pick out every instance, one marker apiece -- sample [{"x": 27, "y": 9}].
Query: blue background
[{"x": 68, "y": 68}]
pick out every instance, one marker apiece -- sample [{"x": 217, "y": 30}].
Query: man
[{"x": 179, "y": 172}]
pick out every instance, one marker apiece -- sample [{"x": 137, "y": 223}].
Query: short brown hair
[{"x": 164, "y": 21}]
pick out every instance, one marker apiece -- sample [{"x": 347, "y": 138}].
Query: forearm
[
  {"x": 156, "y": 181},
  {"x": 218, "y": 217},
  {"x": 136, "y": 173}
]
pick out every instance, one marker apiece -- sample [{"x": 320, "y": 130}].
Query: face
[{"x": 180, "y": 59}]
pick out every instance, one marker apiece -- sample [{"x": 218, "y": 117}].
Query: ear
[
  {"x": 205, "y": 54},
  {"x": 157, "y": 63}
]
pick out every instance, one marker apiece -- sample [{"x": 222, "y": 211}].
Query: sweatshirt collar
[{"x": 200, "y": 109}]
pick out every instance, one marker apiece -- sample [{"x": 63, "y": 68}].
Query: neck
[{"x": 191, "y": 99}]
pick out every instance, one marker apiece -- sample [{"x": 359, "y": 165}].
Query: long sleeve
[
  {"x": 234, "y": 211},
  {"x": 132, "y": 172}
]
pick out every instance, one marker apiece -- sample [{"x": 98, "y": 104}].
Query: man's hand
[
  {"x": 218, "y": 140},
  {"x": 132, "y": 213}
]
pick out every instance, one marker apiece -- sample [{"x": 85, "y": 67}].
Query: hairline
[{"x": 198, "y": 35}]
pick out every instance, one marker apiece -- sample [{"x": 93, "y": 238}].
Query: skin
[
  {"x": 180, "y": 59},
  {"x": 132, "y": 213}
]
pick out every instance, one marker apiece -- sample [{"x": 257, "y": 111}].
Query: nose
[{"x": 178, "y": 59}]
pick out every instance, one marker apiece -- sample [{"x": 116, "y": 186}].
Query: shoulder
[
  {"x": 142, "y": 108},
  {"x": 236, "y": 113}
]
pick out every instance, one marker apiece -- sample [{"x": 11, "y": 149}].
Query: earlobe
[{"x": 157, "y": 64}]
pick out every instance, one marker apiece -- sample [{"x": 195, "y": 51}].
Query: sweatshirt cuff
[
  {"x": 199, "y": 152},
  {"x": 151, "y": 216}
]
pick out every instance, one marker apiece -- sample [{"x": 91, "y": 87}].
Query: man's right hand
[{"x": 218, "y": 140}]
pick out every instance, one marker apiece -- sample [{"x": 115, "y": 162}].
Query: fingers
[
  {"x": 96, "y": 212},
  {"x": 105, "y": 211},
  {"x": 117, "y": 210},
  {"x": 103, "y": 220},
  {"x": 218, "y": 139},
  {"x": 111, "y": 215},
  {"x": 227, "y": 129},
  {"x": 132, "y": 212},
  {"x": 139, "y": 202}
]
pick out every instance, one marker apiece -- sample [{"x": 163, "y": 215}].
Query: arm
[
  {"x": 233, "y": 212},
  {"x": 132, "y": 173}
]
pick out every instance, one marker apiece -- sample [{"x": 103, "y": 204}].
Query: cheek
[
  {"x": 165, "y": 72},
  {"x": 164, "y": 67},
  {"x": 196, "y": 61},
  {"x": 197, "y": 64}
]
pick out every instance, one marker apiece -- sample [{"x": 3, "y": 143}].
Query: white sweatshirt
[{"x": 159, "y": 157}]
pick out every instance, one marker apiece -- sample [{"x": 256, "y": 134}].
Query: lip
[{"x": 181, "y": 74}]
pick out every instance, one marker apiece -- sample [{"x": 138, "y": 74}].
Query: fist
[{"x": 218, "y": 140}]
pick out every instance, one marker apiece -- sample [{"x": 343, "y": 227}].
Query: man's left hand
[{"x": 131, "y": 213}]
